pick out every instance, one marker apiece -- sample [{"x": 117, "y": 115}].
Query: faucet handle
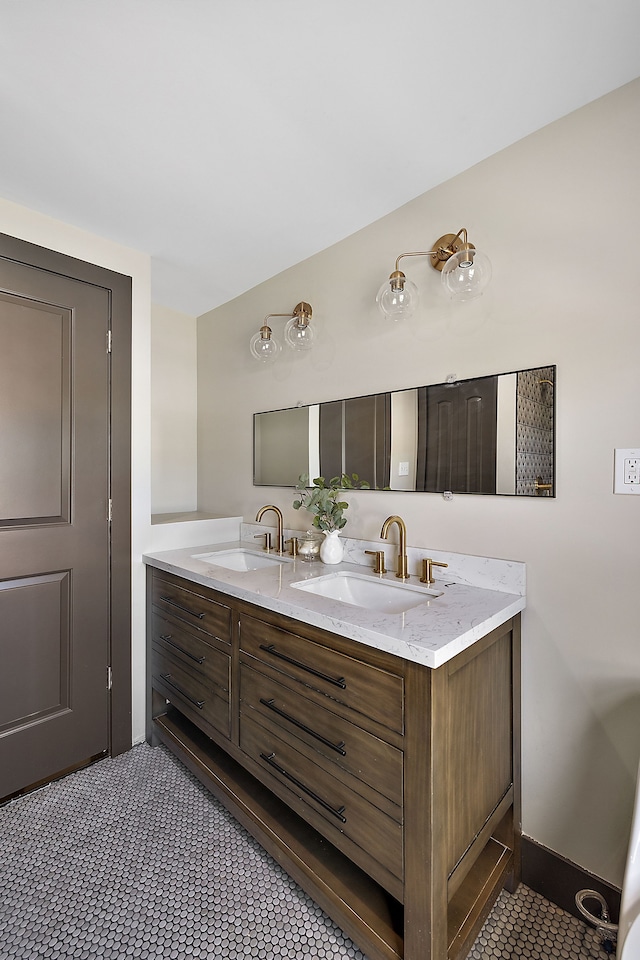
[
  {"x": 267, "y": 540},
  {"x": 427, "y": 569},
  {"x": 378, "y": 563},
  {"x": 293, "y": 549}
]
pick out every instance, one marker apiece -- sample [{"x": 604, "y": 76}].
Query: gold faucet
[
  {"x": 279, "y": 535},
  {"x": 401, "y": 568}
]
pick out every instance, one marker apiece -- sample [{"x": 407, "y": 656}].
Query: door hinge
[
  {"x": 109, "y": 678},
  {"x": 108, "y": 341},
  {"x": 109, "y": 510}
]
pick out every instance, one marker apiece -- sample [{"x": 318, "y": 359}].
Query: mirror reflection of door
[
  {"x": 457, "y": 436},
  {"x": 355, "y": 438}
]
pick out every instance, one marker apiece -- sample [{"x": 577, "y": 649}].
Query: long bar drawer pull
[
  {"x": 338, "y": 747},
  {"x": 167, "y": 679},
  {"x": 270, "y": 648},
  {"x": 173, "y": 603},
  {"x": 167, "y": 637},
  {"x": 268, "y": 758}
]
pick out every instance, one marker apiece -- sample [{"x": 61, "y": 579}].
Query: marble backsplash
[{"x": 486, "y": 572}]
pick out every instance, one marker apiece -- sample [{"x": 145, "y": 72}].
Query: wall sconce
[
  {"x": 297, "y": 334},
  {"x": 465, "y": 273}
]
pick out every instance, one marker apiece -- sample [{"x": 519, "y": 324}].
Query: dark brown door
[{"x": 54, "y": 529}]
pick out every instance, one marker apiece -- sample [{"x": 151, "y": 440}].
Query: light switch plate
[{"x": 626, "y": 471}]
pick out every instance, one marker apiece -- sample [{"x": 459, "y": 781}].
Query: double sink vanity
[{"x": 363, "y": 728}]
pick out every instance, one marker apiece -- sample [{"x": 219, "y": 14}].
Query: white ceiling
[{"x": 230, "y": 139}]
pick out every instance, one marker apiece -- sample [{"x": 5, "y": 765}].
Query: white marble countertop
[{"x": 430, "y": 633}]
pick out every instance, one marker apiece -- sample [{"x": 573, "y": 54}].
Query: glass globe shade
[
  {"x": 397, "y": 304},
  {"x": 298, "y": 336},
  {"x": 263, "y": 349},
  {"x": 465, "y": 279}
]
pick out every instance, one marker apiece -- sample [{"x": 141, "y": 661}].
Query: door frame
[{"x": 119, "y": 287}]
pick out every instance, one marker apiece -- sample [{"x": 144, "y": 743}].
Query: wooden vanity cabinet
[
  {"x": 388, "y": 790},
  {"x": 189, "y": 635}
]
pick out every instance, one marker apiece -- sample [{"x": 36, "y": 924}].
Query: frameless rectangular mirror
[{"x": 488, "y": 435}]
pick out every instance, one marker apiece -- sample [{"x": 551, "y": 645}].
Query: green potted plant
[{"x": 323, "y": 500}]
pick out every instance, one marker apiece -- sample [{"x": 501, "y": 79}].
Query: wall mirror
[{"x": 488, "y": 435}]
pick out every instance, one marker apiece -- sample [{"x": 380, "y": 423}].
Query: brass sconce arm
[
  {"x": 265, "y": 329},
  {"x": 269, "y": 315},
  {"x": 397, "y": 278},
  {"x": 301, "y": 312}
]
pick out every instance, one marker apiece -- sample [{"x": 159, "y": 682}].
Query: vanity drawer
[
  {"x": 319, "y": 731},
  {"x": 191, "y": 649},
  {"x": 372, "y": 692},
  {"x": 196, "y": 696},
  {"x": 192, "y": 607},
  {"x": 333, "y": 807}
]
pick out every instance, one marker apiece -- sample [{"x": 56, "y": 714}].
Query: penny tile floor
[{"x": 132, "y": 857}]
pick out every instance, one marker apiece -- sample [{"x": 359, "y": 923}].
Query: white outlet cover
[{"x": 621, "y": 455}]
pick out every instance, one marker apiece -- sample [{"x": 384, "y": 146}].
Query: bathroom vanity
[{"x": 375, "y": 756}]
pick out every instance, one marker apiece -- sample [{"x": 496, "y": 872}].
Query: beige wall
[
  {"x": 174, "y": 447},
  {"x": 556, "y": 212}
]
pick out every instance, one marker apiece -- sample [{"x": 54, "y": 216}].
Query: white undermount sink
[
  {"x": 361, "y": 590},
  {"x": 240, "y": 559}
]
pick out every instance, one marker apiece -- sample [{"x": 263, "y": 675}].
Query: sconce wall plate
[{"x": 443, "y": 248}]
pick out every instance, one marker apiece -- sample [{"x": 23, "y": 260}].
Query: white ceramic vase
[{"x": 331, "y": 548}]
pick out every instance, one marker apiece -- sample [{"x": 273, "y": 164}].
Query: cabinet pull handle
[
  {"x": 173, "y": 603},
  {"x": 167, "y": 679},
  {"x": 338, "y": 747},
  {"x": 268, "y": 758},
  {"x": 167, "y": 637},
  {"x": 338, "y": 682}
]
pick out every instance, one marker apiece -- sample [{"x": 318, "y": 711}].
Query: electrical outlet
[
  {"x": 631, "y": 472},
  {"x": 626, "y": 471}
]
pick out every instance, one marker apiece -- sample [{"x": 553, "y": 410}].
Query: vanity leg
[
  {"x": 515, "y": 874},
  {"x": 157, "y": 706},
  {"x": 425, "y": 904}
]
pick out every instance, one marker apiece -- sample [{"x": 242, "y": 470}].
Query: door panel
[
  {"x": 38, "y": 655},
  {"x": 34, "y": 401},
  {"x": 54, "y": 533}
]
